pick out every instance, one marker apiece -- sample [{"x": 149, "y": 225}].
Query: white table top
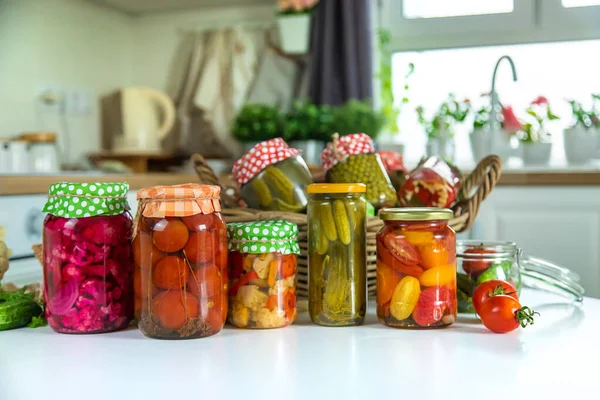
[{"x": 555, "y": 358}]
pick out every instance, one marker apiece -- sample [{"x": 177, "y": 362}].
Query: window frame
[{"x": 532, "y": 21}]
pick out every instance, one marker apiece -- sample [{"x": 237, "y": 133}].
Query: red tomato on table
[{"x": 492, "y": 288}]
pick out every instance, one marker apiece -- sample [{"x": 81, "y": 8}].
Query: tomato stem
[
  {"x": 524, "y": 316},
  {"x": 499, "y": 291}
]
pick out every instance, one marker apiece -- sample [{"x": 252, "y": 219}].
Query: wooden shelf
[{"x": 140, "y": 162}]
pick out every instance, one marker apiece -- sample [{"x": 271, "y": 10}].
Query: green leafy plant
[
  {"x": 257, "y": 122},
  {"x": 541, "y": 112},
  {"x": 307, "y": 121},
  {"x": 358, "y": 117},
  {"x": 389, "y": 108},
  {"x": 587, "y": 118},
  {"x": 448, "y": 114},
  {"x": 482, "y": 117}
]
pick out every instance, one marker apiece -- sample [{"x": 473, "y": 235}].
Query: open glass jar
[
  {"x": 273, "y": 176},
  {"x": 479, "y": 262}
]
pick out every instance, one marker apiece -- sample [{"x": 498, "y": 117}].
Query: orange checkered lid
[{"x": 179, "y": 200}]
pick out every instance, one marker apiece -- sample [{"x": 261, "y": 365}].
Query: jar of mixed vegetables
[
  {"x": 433, "y": 183},
  {"x": 352, "y": 158},
  {"x": 484, "y": 261},
  {"x": 337, "y": 261},
  {"x": 87, "y": 257},
  {"x": 263, "y": 260},
  {"x": 273, "y": 176},
  {"x": 180, "y": 253},
  {"x": 416, "y": 268}
]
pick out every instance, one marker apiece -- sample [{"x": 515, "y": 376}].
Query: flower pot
[
  {"x": 443, "y": 147},
  {"x": 311, "y": 150},
  {"x": 294, "y": 31},
  {"x": 502, "y": 144},
  {"x": 581, "y": 144},
  {"x": 481, "y": 143},
  {"x": 536, "y": 153}
]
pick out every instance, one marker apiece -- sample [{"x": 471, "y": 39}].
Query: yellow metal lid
[
  {"x": 336, "y": 188},
  {"x": 415, "y": 214}
]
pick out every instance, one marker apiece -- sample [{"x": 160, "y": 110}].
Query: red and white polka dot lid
[
  {"x": 259, "y": 157},
  {"x": 342, "y": 148}
]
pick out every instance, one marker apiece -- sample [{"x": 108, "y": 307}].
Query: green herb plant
[
  {"x": 449, "y": 113},
  {"x": 535, "y": 130},
  {"x": 587, "y": 118},
  {"x": 358, "y": 117},
  {"x": 257, "y": 122},
  {"x": 307, "y": 121}
]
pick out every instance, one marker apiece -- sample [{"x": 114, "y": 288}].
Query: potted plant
[
  {"x": 256, "y": 123},
  {"x": 582, "y": 139},
  {"x": 480, "y": 137},
  {"x": 308, "y": 127},
  {"x": 358, "y": 117},
  {"x": 294, "y": 25},
  {"x": 440, "y": 129},
  {"x": 534, "y": 136}
]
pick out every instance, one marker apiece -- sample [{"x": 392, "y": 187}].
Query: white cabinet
[{"x": 559, "y": 223}]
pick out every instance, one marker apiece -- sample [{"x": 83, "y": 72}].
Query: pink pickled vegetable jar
[{"x": 88, "y": 259}]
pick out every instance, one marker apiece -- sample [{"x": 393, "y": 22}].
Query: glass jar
[
  {"x": 43, "y": 151},
  {"x": 337, "y": 261},
  {"x": 416, "y": 268},
  {"x": 180, "y": 253},
  {"x": 273, "y": 176},
  {"x": 87, "y": 257},
  {"x": 263, "y": 263},
  {"x": 352, "y": 158},
  {"x": 480, "y": 262},
  {"x": 433, "y": 183}
]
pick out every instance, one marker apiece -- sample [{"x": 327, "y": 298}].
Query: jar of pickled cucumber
[
  {"x": 263, "y": 259},
  {"x": 273, "y": 176},
  {"x": 433, "y": 183},
  {"x": 416, "y": 268},
  {"x": 482, "y": 261},
  {"x": 180, "y": 254},
  {"x": 337, "y": 260},
  {"x": 352, "y": 158}
]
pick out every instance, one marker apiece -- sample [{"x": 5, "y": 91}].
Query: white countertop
[{"x": 555, "y": 358}]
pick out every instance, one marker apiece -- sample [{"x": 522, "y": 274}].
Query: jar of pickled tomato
[
  {"x": 416, "y": 268},
  {"x": 337, "y": 257},
  {"x": 87, "y": 257},
  {"x": 180, "y": 254},
  {"x": 263, "y": 261}
]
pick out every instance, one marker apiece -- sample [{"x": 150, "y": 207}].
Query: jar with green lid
[
  {"x": 272, "y": 176},
  {"x": 337, "y": 260},
  {"x": 87, "y": 257},
  {"x": 352, "y": 158},
  {"x": 263, "y": 260}
]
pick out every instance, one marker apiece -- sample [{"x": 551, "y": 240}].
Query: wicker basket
[{"x": 476, "y": 187}]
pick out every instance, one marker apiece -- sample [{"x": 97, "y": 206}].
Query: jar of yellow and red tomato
[
  {"x": 263, "y": 262},
  {"x": 433, "y": 183},
  {"x": 416, "y": 268},
  {"x": 180, "y": 255}
]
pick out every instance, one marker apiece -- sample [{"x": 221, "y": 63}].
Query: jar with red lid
[
  {"x": 416, "y": 268},
  {"x": 87, "y": 257},
  {"x": 273, "y": 176},
  {"x": 180, "y": 254},
  {"x": 352, "y": 158},
  {"x": 433, "y": 183}
]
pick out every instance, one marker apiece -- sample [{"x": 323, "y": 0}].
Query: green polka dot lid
[
  {"x": 82, "y": 200},
  {"x": 264, "y": 237}
]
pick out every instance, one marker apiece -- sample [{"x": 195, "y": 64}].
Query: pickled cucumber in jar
[
  {"x": 337, "y": 259},
  {"x": 272, "y": 176},
  {"x": 352, "y": 158}
]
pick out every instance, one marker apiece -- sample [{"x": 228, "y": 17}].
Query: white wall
[
  {"x": 70, "y": 44},
  {"x": 157, "y": 35}
]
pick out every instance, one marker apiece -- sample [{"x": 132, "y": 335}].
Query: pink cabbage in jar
[{"x": 88, "y": 270}]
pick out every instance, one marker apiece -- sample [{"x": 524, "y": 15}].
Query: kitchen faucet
[{"x": 495, "y": 100}]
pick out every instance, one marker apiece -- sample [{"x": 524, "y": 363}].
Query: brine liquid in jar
[
  {"x": 416, "y": 268},
  {"x": 180, "y": 253}
]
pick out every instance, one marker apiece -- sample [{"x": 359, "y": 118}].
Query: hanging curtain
[
  {"x": 341, "y": 52},
  {"x": 211, "y": 76}
]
